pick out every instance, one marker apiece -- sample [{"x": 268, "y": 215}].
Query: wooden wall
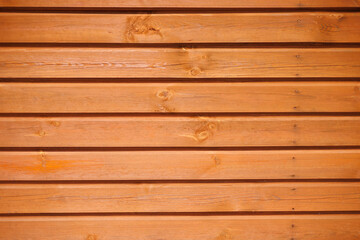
[{"x": 180, "y": 120}]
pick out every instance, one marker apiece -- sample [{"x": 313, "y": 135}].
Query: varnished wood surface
[
  {"x": 180, "y": 28},
  {"x": 179, "y": 165},
  {"x": 140, "y": 100},
  {"x": 107, "y": 62},
  {"x": 175, "y": 131},
  {"x": 280, "y": 227},
  {"x": 212, "y": 4},
  {"x": 293, "y": 97},
  {"x": 179, "y": 197}
]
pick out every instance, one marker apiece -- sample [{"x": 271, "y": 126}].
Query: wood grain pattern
[
  {"x": 179, "y": 197},
  {"x": 304, "y": 227},
  {"x": 213, "y": 4},
  {"x": 74, "y": 62},
  {"x": 180, "y": 165},
  {"x": 180, "y": 28},
  {"x": 144, "y": 131},
  {"x": 142, "y": 120},
  {"x": 180, "y": 97}
]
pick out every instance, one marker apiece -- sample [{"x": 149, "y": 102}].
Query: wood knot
[
  {"x": 55, "y": 123},
  {"x": 299, "y": 23},
  {"x": 164, "y": 94},
  {"x": 205, "y": 131},
  {"x": 195, "y": 71},
  {"x": 211, "y": 126},
  {"x": 91, "y": 237},
  {"x": 217, "y": 160},
  {"x": 140, "y": 25},
  {"x": 201, "y": 136},
  {"x": 329, "y": 28},
  {"x": 164, "y": 108},
  {"x": 41, "y": 133},
  {"x": 337, "y": 16},
  {"x": 43, "y": 159}
]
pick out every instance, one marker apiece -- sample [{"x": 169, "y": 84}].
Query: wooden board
[
  {"x": 212, "y": 4},
  {"x": 179, "y": 165},
  {"x": 147, "y": 131},
  {"x": 179, "y": 197},
  {"x": 83, "y": 62},
  {"x": 180, "y": 120},
  {"x": 180, "y": 97},
  {"x": 180, "y": 28},
  {"x": 282, "y": 227}
]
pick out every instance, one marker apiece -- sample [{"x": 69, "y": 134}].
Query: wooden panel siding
[
  {"x": 179, "y": 165},
  {"x": 57, "y": 62},
  {"x": 180, "y": 28},
  {"x": 179, "y": 197},
  {"x": 144, "y": 131},
  {"x": 180, "y": 120},
  {"x": 278, "y": 227},
  {"x": 162, "y": 4},
  {"x": 292, "y": 97}
]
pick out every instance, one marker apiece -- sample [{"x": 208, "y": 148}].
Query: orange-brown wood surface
[
  {"x": 180, "y": 28},
  {"x": 163, "y": 4},
  {"x": 102, "y": 62},
  {"x": 179, "y": 120},
  {"x": 180, "y": 165},
  {"x": 179, "y": 197},
  {"x": 143, "y": 131},
  {"x": 279, "y": 227},
  {"x": 253, "y": 97}
]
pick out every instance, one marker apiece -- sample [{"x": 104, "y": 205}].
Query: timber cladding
[{"x": 180, "y": 120}]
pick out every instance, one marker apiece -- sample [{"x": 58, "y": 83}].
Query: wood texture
[
  {"x": 212, "y": 4},
  {"x": 179, "y": 197},
  {"x": 75, "y": 62},
  {"x": 144, "y": 131},
  {"x": 116, "y": 115},
  {"x": 180, "y": 165},
  {"x": 282, "y": 227},
  {"x": 180, "y": 97},
  {"x": 180, "y": 28}
]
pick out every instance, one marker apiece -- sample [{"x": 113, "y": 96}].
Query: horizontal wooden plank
[
  {"x": 180, "y": 28},
  {"x": 179, "y": 197},
  {"x": 174, "y": 131},
  {"x": 180, "y": 165},
  {"x": 282, "y": 227},
  {"x": 75, "y": 62},
  {"x": 180, "y": 97},
  {"x": 181, "y": 3}
]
